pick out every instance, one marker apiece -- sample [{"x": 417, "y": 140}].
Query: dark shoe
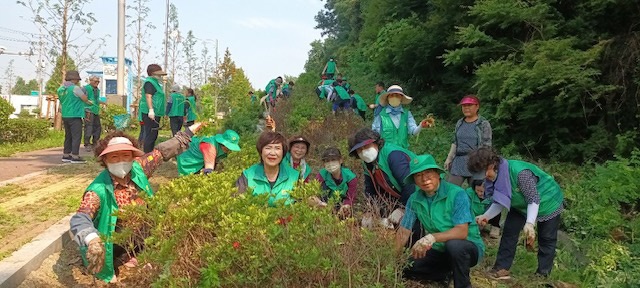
[
  {"x": 78, "y": 160},
  {"x": 501, "y": 274},
  {"x": 88, "y": 148},
  {"x": 66, "y": 159}
]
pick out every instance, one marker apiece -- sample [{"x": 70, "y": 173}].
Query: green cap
[
  {"x": 421, "y": 163},
  {"x": 229, "y": 139}
]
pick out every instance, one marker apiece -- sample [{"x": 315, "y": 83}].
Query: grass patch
[
  {"x": 52, "y": 139},
  {"x": 8, "y": 222}
]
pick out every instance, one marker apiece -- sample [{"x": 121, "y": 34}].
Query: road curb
[{"x": 15, "y": 269}]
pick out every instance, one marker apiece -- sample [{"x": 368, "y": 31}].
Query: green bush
[
  {"x": 24, "y": 113},
  {"x": 23, "y": 130},
  {"x": 5, "y": 110},
  {"x": 106, "y": 116},
  {"x": 244, "y": 118}
]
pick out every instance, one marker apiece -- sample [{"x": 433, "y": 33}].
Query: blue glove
[{"x": 207, "y": 171}]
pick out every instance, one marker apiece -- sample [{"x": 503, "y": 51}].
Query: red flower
[
  {"x": 284, "y": 221},
  {"x": 236, "y": 245}
]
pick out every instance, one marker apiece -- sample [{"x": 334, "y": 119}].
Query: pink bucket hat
[
  {"x": 470, "y": 99},
  {"x": 121, "y": 144}
]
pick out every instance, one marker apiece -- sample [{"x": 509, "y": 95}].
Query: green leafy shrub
[
  {"x": 6, "y": 109},
  {"x": 23, "y": 130},
  {"x": 24, "y": 113},
  {"x": 244, "y": 118},
  {"x": 106, "y": 116}
]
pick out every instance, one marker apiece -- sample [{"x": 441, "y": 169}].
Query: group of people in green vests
[
  {"x": 275, "y": 90},
  {"x": 433, "y": 216}
]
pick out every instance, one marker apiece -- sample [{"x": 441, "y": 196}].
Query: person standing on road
[
  {"x": 123, "y": 182},
  {"x": 152, "y": 105},
  {"x": 92, "y": 125},
  {"x": 176, "y": 109},
  {"x": 72, "y": 101}
]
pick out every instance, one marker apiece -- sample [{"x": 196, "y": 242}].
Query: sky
[{"x": 267, "y": 38}]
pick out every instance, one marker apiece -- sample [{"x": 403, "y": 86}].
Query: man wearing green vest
[
  {"x": 330, "y": 69},
  {"x": 253, "y": 97},
  {"x": 204, "y": 153},
  {"x": 342, "y": 99},
  {"x": 453, "y": 243},
  {"x": 358, "y": 105},
  {"x": 385, "y": 166},
  {"x": 92, "y": 125},
  {"x": 152, "y": 105},
  {"x": 395, "y": 123},
  {"x": 531, "y": 196},
  {"x": 123, "y": 182},
  {"x": 335, "y": 179},
  {"x": 176, "y": 109},
  {"x": 272, "y": 90},
  {"x": 287, "y": 89},
  {"x": 379, "y": 91},
  {"x": 72, "y": 103}
]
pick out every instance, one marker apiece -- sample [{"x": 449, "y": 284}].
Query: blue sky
[{"x": 266, "y": 38}]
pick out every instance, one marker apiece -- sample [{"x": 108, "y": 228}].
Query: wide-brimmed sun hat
[
  {"x": 121, "y": 144},
  {"x": 395, "y": 89}
]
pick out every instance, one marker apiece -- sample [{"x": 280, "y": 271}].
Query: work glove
[
  {"x": 372, "y": 106},
  {"x": 386, "y": 223},
  {"x": 482, "y": 220},
  {"x": 196, "y": 127},
  {"x": 447, "y": 164},
  {"x": 529, "y": 233},
  {"x": 270, "y": 124},
  {"x": 95, "y": 255},
  {"x": 420, "y": 248},
  {"x": 152, "y": 114},
  {"x": 344, "y": 211},
  {"x": 314, "y": 201},
  {"x": 396, "y": 216},
  {"x": 367, "y": 221}
]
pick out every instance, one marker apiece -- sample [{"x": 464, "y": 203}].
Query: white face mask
[
  {"x": 395, "y": 101},
  {"x": 120, "y": 169},
  {"x": 368, "y": 155},
  {"x": 332, "y": 166}
]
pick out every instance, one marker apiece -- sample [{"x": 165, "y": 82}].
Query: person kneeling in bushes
[
  {"x": 272, "y": 175},
  {"x": 124, "y": 182},
  {"x": 337, "y": 179},
  {"x": 204, "y": 153},
  {"x": 444, "y": 210},
  {"x": 298, "y": 150},
  {"x": 480, "y": 203}
]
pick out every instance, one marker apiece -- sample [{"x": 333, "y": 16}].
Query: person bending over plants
[
  {"x": 337, "y": 179},
  {"x": 205, "y": 152},
  {"x": 444, "y": 211},
  {"x": 272, "y": 175},
  {"x": 480, "y": 203},
  {"x": 123, "y": 182},
  {"x": 532, "y": 197},
  {"x": 299, "y": 148}
]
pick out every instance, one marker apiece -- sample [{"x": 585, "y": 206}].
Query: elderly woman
[
  {"x": 205, "y": 153},
  {"x": 176, "y": 109},
  {"x": 395, "y": 123},
  {"x": 472, "y": 131},
  {"x": 532, "y": 197},
  {"x": 124, "y": 182},
  {"x": 385, "y": 167},
  {"x": 299, "y": 147},
  {"x": 272, "y": 175},
  {"x": 444, "y": 211},
  {"x": 337, "y": 179},
  {"x": 190, "y": 106}
]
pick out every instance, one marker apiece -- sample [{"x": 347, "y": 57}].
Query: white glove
[
  {"x": 367, "y": 221},
  {"x": 529, "y": 233},
  {"x": 482, "y": 220},
  {"x": 396, "y": 216},
  {"x": 384, "y": 222},
  {"x": 152, "y": 114},
  {"x": 420, "y": 248}
]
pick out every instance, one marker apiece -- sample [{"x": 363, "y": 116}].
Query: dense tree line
[{"x": 557, "y": 79}]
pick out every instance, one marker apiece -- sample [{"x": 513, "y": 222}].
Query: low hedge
[{"x": 23, "y": 130}]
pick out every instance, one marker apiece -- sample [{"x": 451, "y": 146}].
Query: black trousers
[
  {"x": 176, "y": 124},
  {"x": 547, "y": 239},
  {"x": 141, "y": 136},
  {"x": 151, "y": 127},
  {"x": 459, "y": 256},
  {"x": 92, "y": 129},
  {"x": 362, "y": 114},
  {"x": 72, "y": 135}
]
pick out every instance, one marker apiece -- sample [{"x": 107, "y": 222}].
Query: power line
[
  {"x": 14, "y": 31},
  {"x": 15, "y": 39}
]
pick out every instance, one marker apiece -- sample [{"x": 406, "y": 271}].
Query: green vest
[
  {"x": 342, "y": 93},
  {"x": 550, "y": 193},
  {"x": 95, "y": 98},
  {"x": 272, "y": 85},
  {"x": 72, "y": 106},
  {"x": 390, "y": 133},
  {"x": 192, "y": 160},
  {"x": 191, "y": 115},
  {"x": 287, "y": 179},
  {"x": 307, "y": 171},
  {"x": 157, "y": 99},
  {"x": 383, "y": 164},
  {"x": 105, "y": 220},
  {"x": 347, "y": 176},
  {"x": 478, "y": 207},
  {"x": 361, "y": 105},
  {"x": 378, "y": 96},
  {"x": 331, "y": 67},
  {"x": 437, "y": 216},
  {"x": 177, "y": 108}
]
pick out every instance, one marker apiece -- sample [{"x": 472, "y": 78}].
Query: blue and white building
[{"x": 109, "y": 83}]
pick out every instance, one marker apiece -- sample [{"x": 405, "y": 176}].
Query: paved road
[{"x": 35, "y": 161}]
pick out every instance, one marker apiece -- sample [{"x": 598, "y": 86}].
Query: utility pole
[
  {"x": 217, "y": 90},
  {"x": 40, "y": 67},
  {"x": 166, "y": 49},
  {"x": 121, "y": 60}
]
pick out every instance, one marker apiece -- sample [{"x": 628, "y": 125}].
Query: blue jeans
[{"x": 341, "y": 104}]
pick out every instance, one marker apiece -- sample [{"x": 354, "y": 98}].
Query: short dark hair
[
  {"x": 153, "y": 68},
  {"x": 104, "y": 142},
  {"x": 476, "y": 183},
  {"x": 331, "y": 154},
  {"x": 481, "y": 158},
  {"x": 291, "y": 83},
  {"x": 380, "y": 83},
  {"x": 279, "y": 77},
  {"x": 364, "y": 134},
  {"x": 351, "y": 92},
  {"x": 270, "y": 137}
]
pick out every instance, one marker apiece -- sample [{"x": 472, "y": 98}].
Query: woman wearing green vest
[
  {"x": 357, "y": 104},
  {"x": 271, "y": 176},
  {"x": 124, "y": 182},
  {"x": 204, "y": 153},
  {"x": 330, "y": 69},
  {"x": 335, "y": 178},
  {"x": 342, "y": 99},
  {"x": 385, "y": 166},
  {"x": 395, "y": 123},
  {"x": 472, "y": 131},
  {"x": 190, "y": 106},
  {"x": 152, "y": 105},
  {"x": 72, "y": 102},
  {"x": 298, "y": 149},
  {"x": 176, "y": 109},
  {"x": 531, "y": 196},
  {"x": 479, "y": 205},
  {"x": 92, "y": 125},
  {"x": 444, "y": 211}
]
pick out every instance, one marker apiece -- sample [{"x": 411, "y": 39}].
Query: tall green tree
[
  {"x": 22, "y": 87},
  {"x": 57, "y": 73},
  {"x": 190, "y": 58}
]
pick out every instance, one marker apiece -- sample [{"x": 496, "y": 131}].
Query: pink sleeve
[{"x": 352, "y": 191}]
